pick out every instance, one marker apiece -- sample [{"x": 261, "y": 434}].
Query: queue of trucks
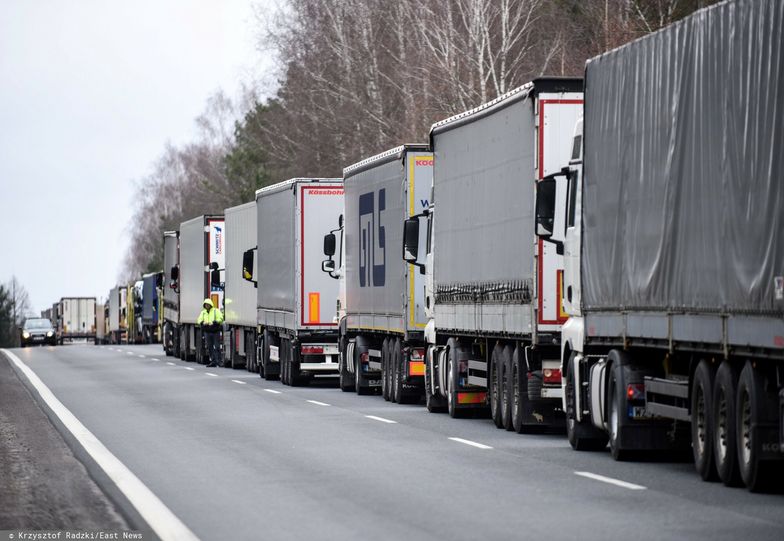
[{"x": 603, "y": 256}]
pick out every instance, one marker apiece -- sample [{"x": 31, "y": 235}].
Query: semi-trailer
[
  {"x": 493, "y": 289},
  {"x": 171, "y": 294},
  {"x": 295, "y": 301},
  {"x": 382, "y": 317},
  {"x": 100, "y": 323},
  {"x": 151, "y": 284},
  {"x": 202, "y": 259},
  {"x": 673, "y": 234},
  {"x": 76, "y": 319},
  {"x": 240, "y": 301},
  {"x": 117, "y": 311}
]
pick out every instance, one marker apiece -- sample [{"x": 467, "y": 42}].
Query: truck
[
  {"x": 240, "y": 300},
  {"x": 76, "y": 319},
  {"x": 100, "y": 323},
  {"x": 171, "y": 294},
  {"x": 382, "y": 317},
  {"x": 673, "y": 235},
  {"x": 493, "y": 288},
  {"x": 297, "y": 331},
  {"x": 202, "y": 258},
  {"x": 116, "y": 323},
  {"x": 151, "y": 284}
]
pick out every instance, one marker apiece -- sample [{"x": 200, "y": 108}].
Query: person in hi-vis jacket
[{"x": 211, "y": 320}]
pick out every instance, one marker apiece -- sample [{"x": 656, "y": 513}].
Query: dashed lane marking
[
  {"x": 188, "y": 368},
  {"x": 390, "y": 421},
  {"x": 238, "y": 381},
  {"x": 317, "y": 403},
  {"x": 273, "y": 391},
  {"x": 609, "y": 480},
  {"x": 211, "y": 374},
  {"x": 170, "y": 363},
  {"x": 471, "y": 443}
]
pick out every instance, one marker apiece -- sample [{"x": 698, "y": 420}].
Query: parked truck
[
  {"x": 493, "y": 289},
  {"x": 673, "y": 234},
  {"x": 117, "y": 313},
  {"x": 296, "y": 301},
  {"x": 240, "y": 301},
  {"x": 76, "y": 319},
  {"x": 171, "y": 294},
  {"x": 202, "y": 258},
  {"x": 100, "y": 323},
  {"x": 382, "y": 316},
  {"x": 151, "y": 284}
]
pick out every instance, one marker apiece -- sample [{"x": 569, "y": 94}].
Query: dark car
[{"x": 38, "y": 330}]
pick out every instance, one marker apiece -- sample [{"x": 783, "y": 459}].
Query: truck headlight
[
  {"x": 25, "y": 334},
  {"x": 50, "y": 334}
]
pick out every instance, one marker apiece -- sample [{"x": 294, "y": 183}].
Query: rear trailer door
[
  {"x": 318, "y": 208},
  {"x": 556, "y": 116},
  {"x": 419, "y": 173},
  {"x": 216, "y": 253}
]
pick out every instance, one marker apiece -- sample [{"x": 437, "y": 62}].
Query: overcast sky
[{"x": 90, "y": 92}]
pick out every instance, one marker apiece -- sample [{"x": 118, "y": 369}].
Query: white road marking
[
  {"x": 211, "y": 374},
  {"x": 170, "y": 364},
  {"x": 142, "y": 356},
  {"x": 317, "y": 402},
  {"x": 188, "y": 368},
  {"x": 152, "y": 359},
  {"x": 273, "y": 391},
  {"x": 609, "y": 480},
  {"x": 471, "y": 443},
  {"x": 238, "y": 381},
  {"x": 390, "y": 421},
  {"x": 130, "y": 353},
  {"x": 160, "y": 518}
]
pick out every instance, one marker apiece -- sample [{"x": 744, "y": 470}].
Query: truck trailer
[
  {"x": 382, "y": 317},
  {"x": 673, "y": 233},
  {"x": 240, "y": 317},
  {"x": 494, "y": 288},
  {"x": 295, "y": 301},
  {"x": 171, "y": 294},
  {"x": 116, "y": 323},
  {"x": 202, "y": 257},
  {"x": 151, "y": 284},
  {"x": 76, "y": 319}
]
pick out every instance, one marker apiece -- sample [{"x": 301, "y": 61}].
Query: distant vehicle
[
  {"x": 170, "y": 331},
  {"x": 240, "y": 301},
  {"x": 76, "y": 319},
  {"x": 37, "y": 330},
  {"x": 116, "y": 323},
  {"x": 150, "y": 329}
]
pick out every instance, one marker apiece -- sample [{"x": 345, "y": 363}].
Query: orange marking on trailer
[
  {"x": 314, "y": 307},
  {"x": 471, "y": 398},
  {"x": 416, "y": 368}
]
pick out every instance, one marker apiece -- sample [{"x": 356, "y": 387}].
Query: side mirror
[
  {"x": 247, "y": 265},
  {"x": 174, "y": 274},
  {"x": 340, "y": 222},
  {"x": 411, "y": 240},
  {"x": 329, "y": 244},
  {"x": 545, "y": 207},
  {"x": 213, "y": 266},
  {"x": 328, "y": 266}
]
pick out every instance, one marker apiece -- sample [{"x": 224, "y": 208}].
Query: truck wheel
[
  {"x": 702, "y": 421},
  {"x": 756, "y": 473},
  {"x": 582, "y": 435},
  {"x": 452, "y": 380},
  {"x": 433, "y": 403},
  {"x": 617, "y": 406},
  {"x": 397, "y": 375},
  {"x": 493, "y": 385},
  {"x": 359, "y": 379},
  {"x": 346, "y": 381},
  {"x": 385, "y": 380},
  {"x": 296, "y": 378},
  {"x": 506, "y": 387},
  {"x": 268, "y": 340},
  {"x": 725, "y": 447}
]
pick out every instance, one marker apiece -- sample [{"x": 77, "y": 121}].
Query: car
[{"x": 38, "y": 330}]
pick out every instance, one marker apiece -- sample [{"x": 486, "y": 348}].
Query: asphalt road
[{"x": 236, "y": 457}]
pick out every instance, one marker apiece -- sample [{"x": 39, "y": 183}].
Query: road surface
[{"x": 234, "y": 456}]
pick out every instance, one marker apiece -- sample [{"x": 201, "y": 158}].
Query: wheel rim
[
  {"x": 721, "y": 428},
  {"x": 614, "y": 418},
  {"x": 515, "y": 390},
  {"x": 570, "y": 402},
  {"x": 493, "y": 388},
  {"x": 449, "y": 384},
  {"x": 745, "y": 428},
  {"x": 701, "y": 423},
  {"x": 504, "y": 390}
]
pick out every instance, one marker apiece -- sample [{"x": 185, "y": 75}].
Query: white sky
[{"x": 90, "y": 92}]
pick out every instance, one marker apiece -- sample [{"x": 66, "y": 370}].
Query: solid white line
[
  {"x": 160, "y": 518},
  {"x": 609, "y": 480},
  {"x": 317, "y": 402},
  {"x": 390, "y": 421},
  {"x": 273, "y": 391},
  {"x": 211, "y": 374},
  {"x": 170, "y": 364},
  {"x": 188, "y": 368},
  {"x": 471, "y": 443},
  {"x": 238, "y": 381}
]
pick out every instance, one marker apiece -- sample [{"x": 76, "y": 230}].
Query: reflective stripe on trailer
[{"x": 472, "y": 398}]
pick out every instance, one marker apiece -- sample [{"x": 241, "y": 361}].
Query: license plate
[
  {"x": 637, "y": 412},
  {"x": 374, "y": 383},
  {"x": 37, "y": 338}
]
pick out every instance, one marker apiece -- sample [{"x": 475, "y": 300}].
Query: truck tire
[
  {"x": 725, "y": 391},
  {"x": 346, "y": 382},
  {"x": 452, "y": 380},
  {"x": 385, "y": 364},
  {"x": 582, "y": 435},
  {"x": 433, "y": 403},
  {"x": 359, "y": 380},
  {"x": 752, "y": 411},
  {"x": 270, "y": 374},
  {"x": 493, "y": 385},
  {"x": 396, "y": 358},
  {"x": 702, "y": 421},
  {"x": 616, "y": 398},
  {"x": 506, "y": 387}
]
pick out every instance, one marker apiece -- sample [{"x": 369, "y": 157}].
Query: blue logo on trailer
[
  {"x": 218, "y": 240},
  {"x": 372, "y": 240}
]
